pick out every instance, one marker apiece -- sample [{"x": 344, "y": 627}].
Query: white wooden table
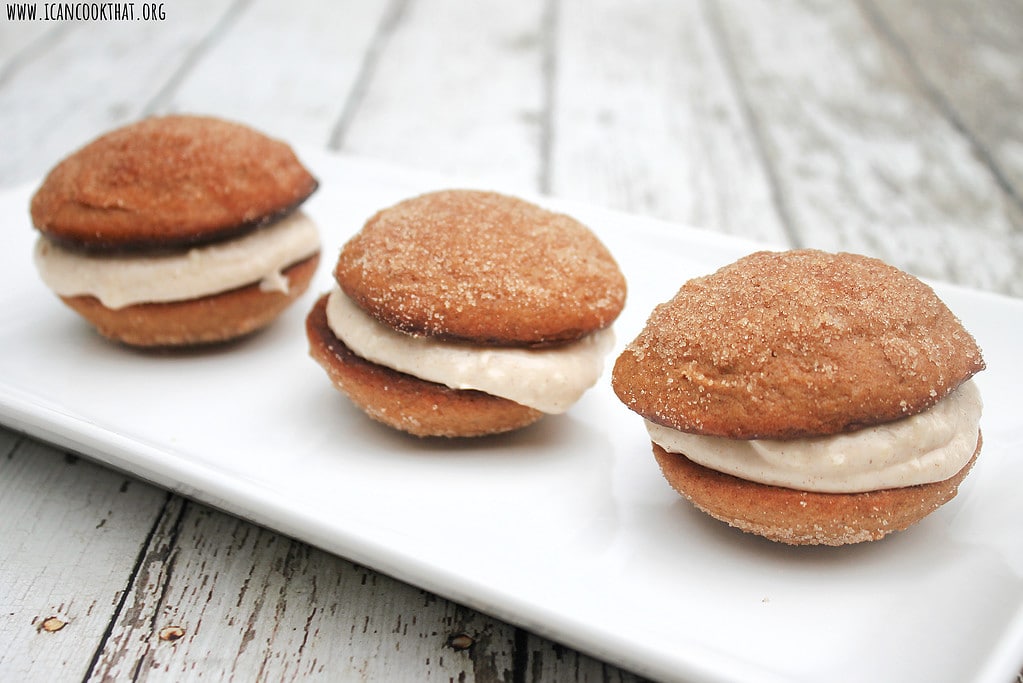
[{"x": 888, "y": 127}]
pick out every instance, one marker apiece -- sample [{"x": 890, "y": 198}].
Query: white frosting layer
[
  {"x": 549, "y": 380},
  {"x": 125, "y": 279},
  {"x": 927, "y": 447}
]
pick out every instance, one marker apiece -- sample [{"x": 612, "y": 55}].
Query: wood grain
[
  {"x": 645, "y": 119},
  {"x": 968, "y": 60},
  {"x": 256, "y": 605},
  {"x": 90, "y": 77},
  {"x": 862, "y": 160},
  {"x": 70, "y": 536},
  {"x": 455, "y": 88},
  {"x": 22, "y": 42},
  {"x": 259, "y": 606},
  {"x": 243, "y": 75}
]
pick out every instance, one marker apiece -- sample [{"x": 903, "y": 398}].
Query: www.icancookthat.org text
[{"x": 85, "y": 11}]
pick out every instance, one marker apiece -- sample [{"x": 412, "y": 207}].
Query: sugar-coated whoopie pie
[
  {"x": 808, "y": 397},
  {"x": 465, "y": 313},
  {"x": 177, "y": 230}
]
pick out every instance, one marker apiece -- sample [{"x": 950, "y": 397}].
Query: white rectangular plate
[{"x": 566, "y": 527}]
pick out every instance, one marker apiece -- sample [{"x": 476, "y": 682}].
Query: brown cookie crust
[
  {"x": 481, "y": 267},
  {"x": 168, "y": 182},
  {"x": 206, "y": 320},
  {"x": 789, "y": 344},
  {"x": 405, "y": 402},
  {"x": 803, "y": 517}
]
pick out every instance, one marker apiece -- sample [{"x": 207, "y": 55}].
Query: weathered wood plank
[
  {"x": 93, "y": 76},
  {"x": 254, "y": 605},
  {"x": 546, "y": 661},
  {"x": 20, "y": 40},
  {"x": 455, "y": 87},
  {"x": 285, "y": 68},
  {"x": 70, "y": 536},
  {"x": 645, "y": 119},
  {"x": 969, "y": 59},
  {"x": 236, "y": 601},
  {"x": 861, "y": 158}
]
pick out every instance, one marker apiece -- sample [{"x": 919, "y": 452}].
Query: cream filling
[
  {"x": 927, "y": 447},
  {"x": 122, "y": 280},
  {"x": 549, "y": 380}
]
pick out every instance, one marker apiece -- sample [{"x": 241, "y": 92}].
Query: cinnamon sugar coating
[
  {"x": 169, "y": 182},
  {"x": 481, "y": 267},
  {"x": 802, "y": 517},
  {"x": 405, "y": 402},
  {"x": 790, "y": 344}
]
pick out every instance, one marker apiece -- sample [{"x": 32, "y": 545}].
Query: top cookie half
[
  {"x": 169, "y": 182},
  {"x": 484, "y": 268},
  {"x": 794, "y": 344}
]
